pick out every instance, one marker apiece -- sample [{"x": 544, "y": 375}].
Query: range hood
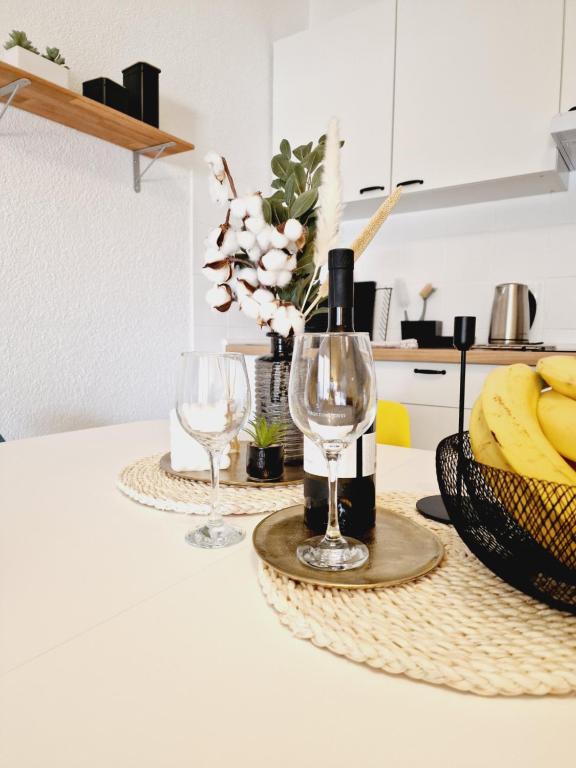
[{"x": 563, "y": 130}]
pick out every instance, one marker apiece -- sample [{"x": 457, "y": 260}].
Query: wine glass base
[
  {"x": 214, "y": 536},
  {"x": 342, "y": 555}
]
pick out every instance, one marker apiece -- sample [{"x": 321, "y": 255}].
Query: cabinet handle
[
  {"x": 371, "y": 189},
  {"x": 409, "y": 182},
  {"x": 430, "y": 371}
]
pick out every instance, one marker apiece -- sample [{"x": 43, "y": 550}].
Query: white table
[{"x": 122, "y": 646}]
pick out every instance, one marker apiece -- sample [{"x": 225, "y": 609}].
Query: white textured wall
[{"x": 97, "y": 280}]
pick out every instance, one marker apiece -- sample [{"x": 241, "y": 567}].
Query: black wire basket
[{"x": 522, "y": 529}]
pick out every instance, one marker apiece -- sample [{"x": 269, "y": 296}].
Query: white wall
[
  {"x": 465, "y": 251},
  {"x": 96, "y": 280}
]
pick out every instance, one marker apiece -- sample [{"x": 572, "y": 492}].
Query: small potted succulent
[
  {"x": 21, "y": 53},
  {"x": 265, "y": 458}
]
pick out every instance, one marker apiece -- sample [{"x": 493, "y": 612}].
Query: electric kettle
[{"x": 513, "y": 313}]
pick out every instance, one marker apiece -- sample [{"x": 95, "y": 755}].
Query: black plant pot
[{"x": 265, "y": 463}]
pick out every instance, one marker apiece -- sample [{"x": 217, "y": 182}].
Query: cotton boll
[
  {"x": 213, "y": 236},
  {"x": 230, "y": 243},
  {"x": 236, "y": 224},
  {"x": 264, "y": 237},
  {"x": 266, "y": 278},
  {"x": 254, "y": 206},
  {"x": 212, "y": 255},
  {"x": 277, "y": 239},
  {"x": 263, "y": 296},
  {"x": 218, "y": 190},
  {"x": 246, "y": 240},
  {"x": 292, "y": 248},
  {"x": 293, "y": 230},
  {"x": 283, "y": 278},
  {"x": 238, "y": 207},
  {"x": 296, "y": 319},
  {"x": 254, "y": 254},
  {"x": 216, "y": 164},
  {"x": 291, "y": 262},
  {"x": 217, "y": 272},
  {"x": 255, "y": 224},
  {"x": 248, "y": 275},
  {"x": 268, "y": 310},
  {"x": 274, "y": 259},
  {"x": 281, "y": 322},
  {"x": 250, "y": 308},
  {"x": 220, "y": 298}
]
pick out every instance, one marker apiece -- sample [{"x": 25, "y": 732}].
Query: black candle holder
[{"x": 433, "y": 507}]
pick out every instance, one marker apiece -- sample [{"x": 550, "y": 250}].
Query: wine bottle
[{"x": 356, "y": 483}]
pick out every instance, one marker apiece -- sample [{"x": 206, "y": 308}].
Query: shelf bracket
[
  {"x": 138, "y": 174},
  {"x": 11, "y": 90}
]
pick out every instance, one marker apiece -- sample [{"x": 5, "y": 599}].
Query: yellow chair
[{"x": 392, "y": 424}]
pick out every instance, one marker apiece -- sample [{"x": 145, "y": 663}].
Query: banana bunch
[{"x": 518, "y": 427}]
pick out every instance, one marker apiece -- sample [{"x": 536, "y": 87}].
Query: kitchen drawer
[
  {"x": 405, "y": 383},
  {"x": 430, "y": 424}
]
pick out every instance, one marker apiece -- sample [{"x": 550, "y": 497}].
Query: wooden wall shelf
[{"x": 76, "y": 111}]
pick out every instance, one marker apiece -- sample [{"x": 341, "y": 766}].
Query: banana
[
  {"x": 484, "y": 446},
  {"x": 509, "y": 402},
  {"x": 510, "y": 399},
  {"x": 559, "y": 372},
  {"x": 557, "y": 417}
]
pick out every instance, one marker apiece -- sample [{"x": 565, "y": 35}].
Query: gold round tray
[
  {"x": 236, "y": 472},
  {"x": 400, "y": 551}
]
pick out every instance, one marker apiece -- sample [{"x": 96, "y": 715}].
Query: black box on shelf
[
  {"x": 141, "y": 82},
  {"x": 426, "y": 332},
  {"x": 107, "y": 92}
]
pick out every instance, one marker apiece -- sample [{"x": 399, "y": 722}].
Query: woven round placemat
[
  {"x": 459, "y": 626},
  {"x": 145, "y": 482}
]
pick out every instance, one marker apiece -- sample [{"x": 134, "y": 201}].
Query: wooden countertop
[{"x": 477, "y": 356}]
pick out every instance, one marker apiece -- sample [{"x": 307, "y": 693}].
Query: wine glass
[
  {"x": 332, "y": 395},
  {"x": 213, "y": 404}
]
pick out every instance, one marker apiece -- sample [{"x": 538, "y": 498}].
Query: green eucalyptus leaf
[
  {"x": 278, "y": 195},
  {"x": 300, "y": 176},
  {"x": 279, "y": 211},
  {"x": 303, "y": 203},
  {"x": 267, "y": 211},
  {"x": 315, "y": 158},
  {"x": 285, "y": 149},
  {"x": 316, "y": 179},
  {"x": 303, "y": 151},
  {"x": 277, "y": 184},
  {"x": 281, "y": 166},
  {"x": 290, "y": 188}
]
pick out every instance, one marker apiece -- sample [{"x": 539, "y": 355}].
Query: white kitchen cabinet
[
  {"x": 569, "y": 61},
  {"x": 430, "y": 424},
  {"x": 342, "y": 68},
  {"x": 477, "y": 84}
]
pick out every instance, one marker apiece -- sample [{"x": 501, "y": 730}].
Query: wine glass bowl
[
  {"x": 212, "y": 405},
  {"x": 332, "y": 395}
]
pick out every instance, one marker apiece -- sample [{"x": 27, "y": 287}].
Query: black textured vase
[{"x": 272, "y": 374}]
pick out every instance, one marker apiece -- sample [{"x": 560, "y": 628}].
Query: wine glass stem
[
  {"x": 215, "y": 518},
  {"x": 333, "y": 529}
]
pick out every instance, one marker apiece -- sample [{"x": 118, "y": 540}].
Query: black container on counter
[
  {"x": 107, "y": 92},
  {"x": 141, "y": 82},
  {"x": 426, "y": 332}
]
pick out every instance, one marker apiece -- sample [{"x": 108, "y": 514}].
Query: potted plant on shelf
[
  {"x": 265, "y": 458},
  {"x": 21, "y": 53}
]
